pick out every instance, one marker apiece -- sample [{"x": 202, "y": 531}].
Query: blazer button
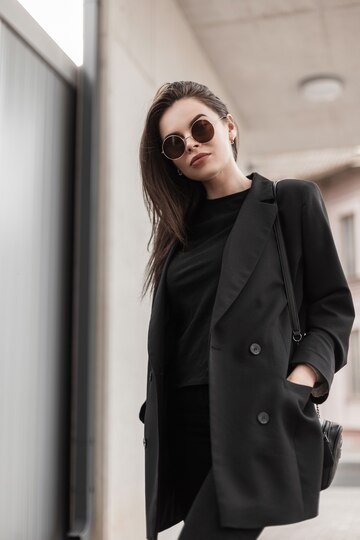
[
  {"x": 263, "y": 417},
  {"x": 255, "y": 348},
  {"x": 145, "y": 442}
]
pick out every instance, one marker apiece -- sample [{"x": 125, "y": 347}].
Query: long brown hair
[{"x": 170, "y": 199}]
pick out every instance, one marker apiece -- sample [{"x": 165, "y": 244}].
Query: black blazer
[{"x": 266, "y": 437}]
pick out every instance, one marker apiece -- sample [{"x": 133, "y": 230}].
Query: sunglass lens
[
  {"x": 202, "y": 130},
  {"x": 173, "y": 147}
]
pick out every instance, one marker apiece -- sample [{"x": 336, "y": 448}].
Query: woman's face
[{"x": 217, "y": 153}]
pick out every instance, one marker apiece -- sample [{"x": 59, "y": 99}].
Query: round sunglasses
[{"x": 202, "y": 131}]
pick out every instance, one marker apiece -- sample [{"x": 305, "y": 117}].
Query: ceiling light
[{"x": 321, "y": 88}]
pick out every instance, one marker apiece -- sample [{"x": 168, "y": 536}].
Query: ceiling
[{"x": 262, "y": 49}]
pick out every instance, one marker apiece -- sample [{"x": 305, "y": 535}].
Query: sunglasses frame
[{"x": 184, "y": 138}]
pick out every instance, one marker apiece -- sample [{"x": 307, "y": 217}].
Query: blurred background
[{"x": 76, "y": 80}]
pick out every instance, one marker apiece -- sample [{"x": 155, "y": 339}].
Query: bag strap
[
  {"x": 290, "y": 295},
  {"x": 297, "y": 335}
]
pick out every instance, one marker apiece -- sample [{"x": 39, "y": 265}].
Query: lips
[{"x": 198, "y": 156}]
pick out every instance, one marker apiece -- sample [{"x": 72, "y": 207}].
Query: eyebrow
[{"x": 190, "y": 124}]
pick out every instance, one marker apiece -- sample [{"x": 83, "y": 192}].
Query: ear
[{"x": 231, "y": 127}]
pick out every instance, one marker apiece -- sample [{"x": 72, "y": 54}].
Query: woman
[{"x": 232, "y": 440}]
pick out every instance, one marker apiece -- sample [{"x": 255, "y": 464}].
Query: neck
[{"x": 227, "y": 181}]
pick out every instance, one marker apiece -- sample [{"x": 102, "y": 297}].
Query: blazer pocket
[
  {"x": 301, "y": 391},
  {"x": 297, "y": 386}
]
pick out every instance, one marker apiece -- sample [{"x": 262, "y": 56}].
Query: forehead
[{"x": 178, "y": 116}]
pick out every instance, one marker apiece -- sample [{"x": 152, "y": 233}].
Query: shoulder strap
[{"x": 297, "y": 335}]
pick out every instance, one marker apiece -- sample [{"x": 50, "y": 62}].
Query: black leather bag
[
  {"x": 332, "y": 432},
  {"x": 333, "y": 439}
]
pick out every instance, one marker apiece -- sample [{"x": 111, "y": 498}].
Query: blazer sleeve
[{"x": 329, "y": 306}]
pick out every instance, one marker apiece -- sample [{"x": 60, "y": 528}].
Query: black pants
[{"x": 189, "y": 432}]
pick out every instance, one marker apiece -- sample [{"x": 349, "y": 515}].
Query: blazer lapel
[
  {"x": 244, "y": 244},
  {"x": 241, "y": 252}
]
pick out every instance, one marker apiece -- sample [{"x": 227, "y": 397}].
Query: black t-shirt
[{"x": 192, "y": 279}]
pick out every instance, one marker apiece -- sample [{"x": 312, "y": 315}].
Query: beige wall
[{"x": 143, "y": 44}]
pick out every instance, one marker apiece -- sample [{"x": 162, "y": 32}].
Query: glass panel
[{"x": 37, "y": 119}]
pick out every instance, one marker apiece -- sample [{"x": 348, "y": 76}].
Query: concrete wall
[{"x": 143, "y": 44}]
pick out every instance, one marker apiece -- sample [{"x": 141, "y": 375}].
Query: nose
[{"x": 190, "y": 142}]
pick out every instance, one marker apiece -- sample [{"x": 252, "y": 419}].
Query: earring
[
  {"x": 179, "y": 172},
  {"x": 232, "y": 140}
]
